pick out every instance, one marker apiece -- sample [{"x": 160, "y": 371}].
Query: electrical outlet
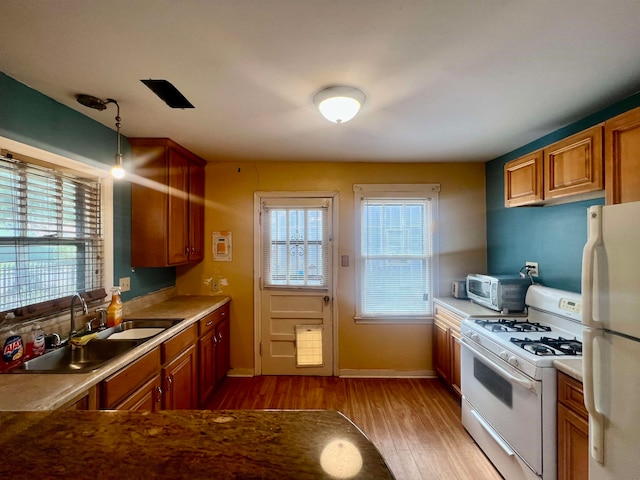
[
  {"x": 532, "y": 268},
  {"x": 125, "y": 284}
]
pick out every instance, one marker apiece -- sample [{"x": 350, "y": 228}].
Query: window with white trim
[
  {"x": 396, "y": 255},
  {"x": 51, "y": 237}
]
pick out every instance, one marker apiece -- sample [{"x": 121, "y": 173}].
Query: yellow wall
[{"x": 229, "y": 195}]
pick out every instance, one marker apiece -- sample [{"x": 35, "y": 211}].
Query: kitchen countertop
[
  {"x": 466, "y": 308},
  {"x": 30, "y": 391},
  {"x": 572, "y": 367},
  {"x": 233, "y": 444}
]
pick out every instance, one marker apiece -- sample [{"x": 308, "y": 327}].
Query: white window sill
[{"x": 394, "y": 320}]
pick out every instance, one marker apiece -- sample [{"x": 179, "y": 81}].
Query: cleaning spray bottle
[{"x": 114, "y": 310}]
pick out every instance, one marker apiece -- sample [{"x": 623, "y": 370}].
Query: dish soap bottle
[
  {"x": 114, "y": 310},
  {"x": 12, "y": 351}
]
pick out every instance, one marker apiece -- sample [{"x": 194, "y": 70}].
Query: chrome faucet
[{"x": 85, "y": 311}]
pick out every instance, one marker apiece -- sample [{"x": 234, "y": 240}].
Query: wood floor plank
[{"x": 414, "y": 423}]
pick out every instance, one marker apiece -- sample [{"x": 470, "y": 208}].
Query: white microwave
[{"x": 504, "y": 293}]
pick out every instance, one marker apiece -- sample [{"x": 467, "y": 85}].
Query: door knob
[{"x": 326, "y": 299}]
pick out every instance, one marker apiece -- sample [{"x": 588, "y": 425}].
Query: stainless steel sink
[
  {"x": 71, "y": 359},
  {"x": 97, "y": 352}
]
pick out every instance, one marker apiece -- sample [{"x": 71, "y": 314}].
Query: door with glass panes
[{"x": 296, "y": 320}]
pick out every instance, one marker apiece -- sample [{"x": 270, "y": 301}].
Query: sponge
[{"x": 83, "y": 338}]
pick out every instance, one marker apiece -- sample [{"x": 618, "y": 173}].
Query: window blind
[{"x": 51, "y": 243}]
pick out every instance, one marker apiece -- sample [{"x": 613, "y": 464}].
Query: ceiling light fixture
[
  {"x": 117, "y": 171},
  {"x": 339, "y": 103}
]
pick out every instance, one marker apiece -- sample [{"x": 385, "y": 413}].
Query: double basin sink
[{"x": 107, "y": 345}]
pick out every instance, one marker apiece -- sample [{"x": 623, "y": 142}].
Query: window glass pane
[
  {"x": 295, "y": 243},
  {"x": 395, "y": 259}
]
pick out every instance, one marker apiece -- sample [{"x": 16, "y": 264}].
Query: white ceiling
[{"x": 446, "y": 80}]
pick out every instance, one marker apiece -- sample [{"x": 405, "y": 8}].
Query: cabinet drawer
[
  {"x": 209, "y": 322},
  {"x": 129, "y": 378},
  {"x": 172, "y": 347},
  {"x": 448, "y": 318},
  {"x": 570, "y": 394}
]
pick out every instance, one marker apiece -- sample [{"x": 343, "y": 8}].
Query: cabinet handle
[
  {"x": 169, "y": 383},
  {"x": 186, "y": 250},
  {"x": 209, "y": 323},
  {"x": 193, "y": 251},
  {"x": 159, "y": 390},
  {"x": 220, "y": 336},
  {"x": 215, "y": 339}
]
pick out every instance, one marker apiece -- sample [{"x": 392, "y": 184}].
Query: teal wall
[
  {"x": 553, "y": 236},
  {"x": 29, "y": 117}
]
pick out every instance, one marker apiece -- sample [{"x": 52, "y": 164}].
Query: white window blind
[
  {"x": 295, "y": 242},
  {"x": 396, "y": 252},
  {"x": 51, "y": 243}
]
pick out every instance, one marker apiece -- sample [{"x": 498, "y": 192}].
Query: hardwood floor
[{"x": 414, "y": 423}]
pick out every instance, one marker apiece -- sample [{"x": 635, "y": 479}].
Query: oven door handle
[
  {"x": 501, "y": 443},
  {"x": 528, "y": 384}
]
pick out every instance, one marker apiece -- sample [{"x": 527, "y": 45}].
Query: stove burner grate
[
  {"x": 547, "y": 346},
  {"x": 507, "y": 325}
]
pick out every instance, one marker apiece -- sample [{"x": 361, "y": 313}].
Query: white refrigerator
[{"x": 611, "y": 340}]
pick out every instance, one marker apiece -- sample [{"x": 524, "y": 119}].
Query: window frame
[
  {"x": 398, "y": 192},
  {"x": 95, "y": 169}
]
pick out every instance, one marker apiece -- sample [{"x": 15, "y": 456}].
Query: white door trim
[{"x": 257, "y": 271}]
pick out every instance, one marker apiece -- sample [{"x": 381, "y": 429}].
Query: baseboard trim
[
  {"x": 382, "y": 373},
  {"x": 241, "y": 372}
]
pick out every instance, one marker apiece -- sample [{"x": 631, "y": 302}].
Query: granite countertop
[
  {"x": 466, "y": 308},
  {"x": 233, "y": 444},
  {"x": 29, "y": 391},
  {"x": 571, "y": 366}
]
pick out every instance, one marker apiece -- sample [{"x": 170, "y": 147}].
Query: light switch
[{"x": 344, "y": 260}]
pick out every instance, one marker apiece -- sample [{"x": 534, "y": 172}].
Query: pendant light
[
  {"x": 117, "y": 171},
  {"x": 339, "y": 103}
]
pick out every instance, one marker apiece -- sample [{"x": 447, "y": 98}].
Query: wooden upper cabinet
[
  {"x": 523, "y": 180},
  {"x": 574, "y": 165},
  {"x": 622, "y": 157},
  {"x": 167, "y": 204}
]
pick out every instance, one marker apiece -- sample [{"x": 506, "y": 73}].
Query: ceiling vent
[{"x": 168, "y": 93}]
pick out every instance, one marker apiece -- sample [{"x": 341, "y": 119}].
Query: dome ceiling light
[{"x": 339, "y": 104}]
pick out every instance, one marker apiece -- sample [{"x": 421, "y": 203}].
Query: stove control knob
[
  {"x": 511, "y": 359},
  {"x": 474, "y": 337}
]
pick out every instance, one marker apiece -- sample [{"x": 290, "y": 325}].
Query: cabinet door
[
  {"x": 574, "y": 165},
  {"x": 179, "y": 379},
  {"x": 196, "y": 212},
  {"x": 573, "y": 445},
  {"x": 147, "y": 398},
  {"x": 207, "y": 366},
  {"x": 442, "y": 354},
  {"x": 121, "y": 384},
  {"x": 456, "y": 358},
  {"x": 622, "y": 157},
  {"x": 222, "y": 351},
  {"x": 178, "y": 208},
  {"x": 523, "y": 180}
]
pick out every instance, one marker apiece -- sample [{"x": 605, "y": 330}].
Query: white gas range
[{"x": 509, "y": 382}]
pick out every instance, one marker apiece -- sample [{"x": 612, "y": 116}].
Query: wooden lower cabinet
[
  {"x": 133, "y": 387},
  {"x": 179, "y": 380},
  {"x": 181, "y": 373},
  {"x": 447, "y": 348},
  {"x": 180, "y": 370},
  {"x": 213, "y": 352},
  {"x": 573, "y": 430}
]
